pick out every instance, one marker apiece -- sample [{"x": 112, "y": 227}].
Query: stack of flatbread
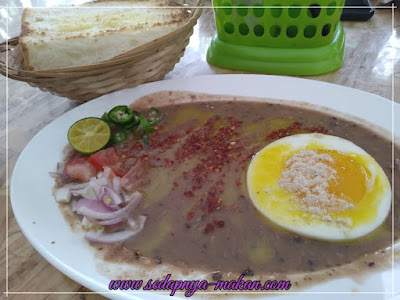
[{"x": 62, "y": 37}]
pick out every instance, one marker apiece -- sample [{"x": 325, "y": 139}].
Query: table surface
[{"x": 370, "y": 48}]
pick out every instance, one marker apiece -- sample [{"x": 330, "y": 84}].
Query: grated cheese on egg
[{"x": 307, "y": 174}]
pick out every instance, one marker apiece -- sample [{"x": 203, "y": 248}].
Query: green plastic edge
[{"x": 281, "y": 61}]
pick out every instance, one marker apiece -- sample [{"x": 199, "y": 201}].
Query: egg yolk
[{"x": 350, "y": 178}]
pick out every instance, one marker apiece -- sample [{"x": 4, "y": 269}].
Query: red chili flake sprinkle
[
  {"x": 293, "y": 129},
  {"x": 215, "y": 144},
  {"x": 318, "y": 129},
  {"x": 168, "y": 161},
  {"x": 213, "y": 203},
  {"x": 190, "y": 215},
  {"x": 237, "y": 182},
  {"x": 219, "y": 224},
  {"x": 282, "y": 132},
  {"x": 176, "y": 184},
  {"x": 209, "y": 228},
  {"x": 189, "y": 194}
]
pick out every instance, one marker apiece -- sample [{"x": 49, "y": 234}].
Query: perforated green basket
[{"x": 290, "y": 37}]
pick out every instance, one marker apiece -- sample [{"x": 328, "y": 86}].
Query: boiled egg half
[{"x": 319, "y": 186}]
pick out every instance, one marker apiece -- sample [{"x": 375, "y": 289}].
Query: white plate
[{"x": 31, "y": 185}]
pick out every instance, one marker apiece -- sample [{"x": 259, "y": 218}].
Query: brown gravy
[{"x": 199, "y": 212}]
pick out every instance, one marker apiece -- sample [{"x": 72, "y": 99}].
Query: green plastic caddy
[{"x": 289, "y": 37}]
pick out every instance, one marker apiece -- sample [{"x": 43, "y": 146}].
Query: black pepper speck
[
  {"x": 217, "y": 276},
  {"x": 137, "y": 254},
  {"x": 298, "y": 239},
  {"x": 248, "y": 272}
]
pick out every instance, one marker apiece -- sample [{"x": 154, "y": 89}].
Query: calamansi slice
[{"x": 89, "y": 135}]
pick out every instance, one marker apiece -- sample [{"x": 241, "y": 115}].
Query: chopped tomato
[
  {"x": 80, "y": 169},
  {"x": 106, "y": 158}
]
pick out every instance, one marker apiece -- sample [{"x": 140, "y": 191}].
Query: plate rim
[{"x": 76, "y": 275}]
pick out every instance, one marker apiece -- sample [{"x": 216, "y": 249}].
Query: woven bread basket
[{"x": 146, "y": 63}]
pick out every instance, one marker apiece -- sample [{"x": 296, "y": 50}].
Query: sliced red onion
[
  {"x": 75, "y": 186},
  {"x": 137, "y": 225},
  {"x": 74, "y": 203},
  {"x": 60, "y": 167},
  {"x": 109, "y": 238},
  {"x": 130, "y": 197},
  {"x": 86, "y": 222},
  {"x": 115, "y": 237},
  {"x": 62, "y": 194},
  {"x": 87, "y": 193},
  {"x": 95, "y": 214},
  {"x": 85, "y": 189},
  {"x": 127, "y": 197},
  {"x": 100, "y": 205},
  {"x": 57, "y": 175},
  {"x": 132, "y": 223},
  {"x": 96, "y": 188},
  {"x": 94, "y": 207},
  {"x": 103, "y": 181},
  {"x": 109, "y": 222},
  {"x": 106, "y": 172},
  {"x": 110, "y": 198}
]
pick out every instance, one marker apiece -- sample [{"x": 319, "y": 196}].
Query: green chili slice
[
  {"x": 155, "y": 116},
  {"x": 119, "y": 136},
  {"x": 135, "y": 121},
  {"x": 121, "y": 115},
  {"x": 106, "y": 119},
  {"x": 145, "y": 139},
  {"x": 145, "y": 125}
]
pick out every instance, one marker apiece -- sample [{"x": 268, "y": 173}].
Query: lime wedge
[{"x": 89, "y": 135}]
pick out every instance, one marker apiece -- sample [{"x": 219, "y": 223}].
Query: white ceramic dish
[{"x": 41, "y": 221}]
